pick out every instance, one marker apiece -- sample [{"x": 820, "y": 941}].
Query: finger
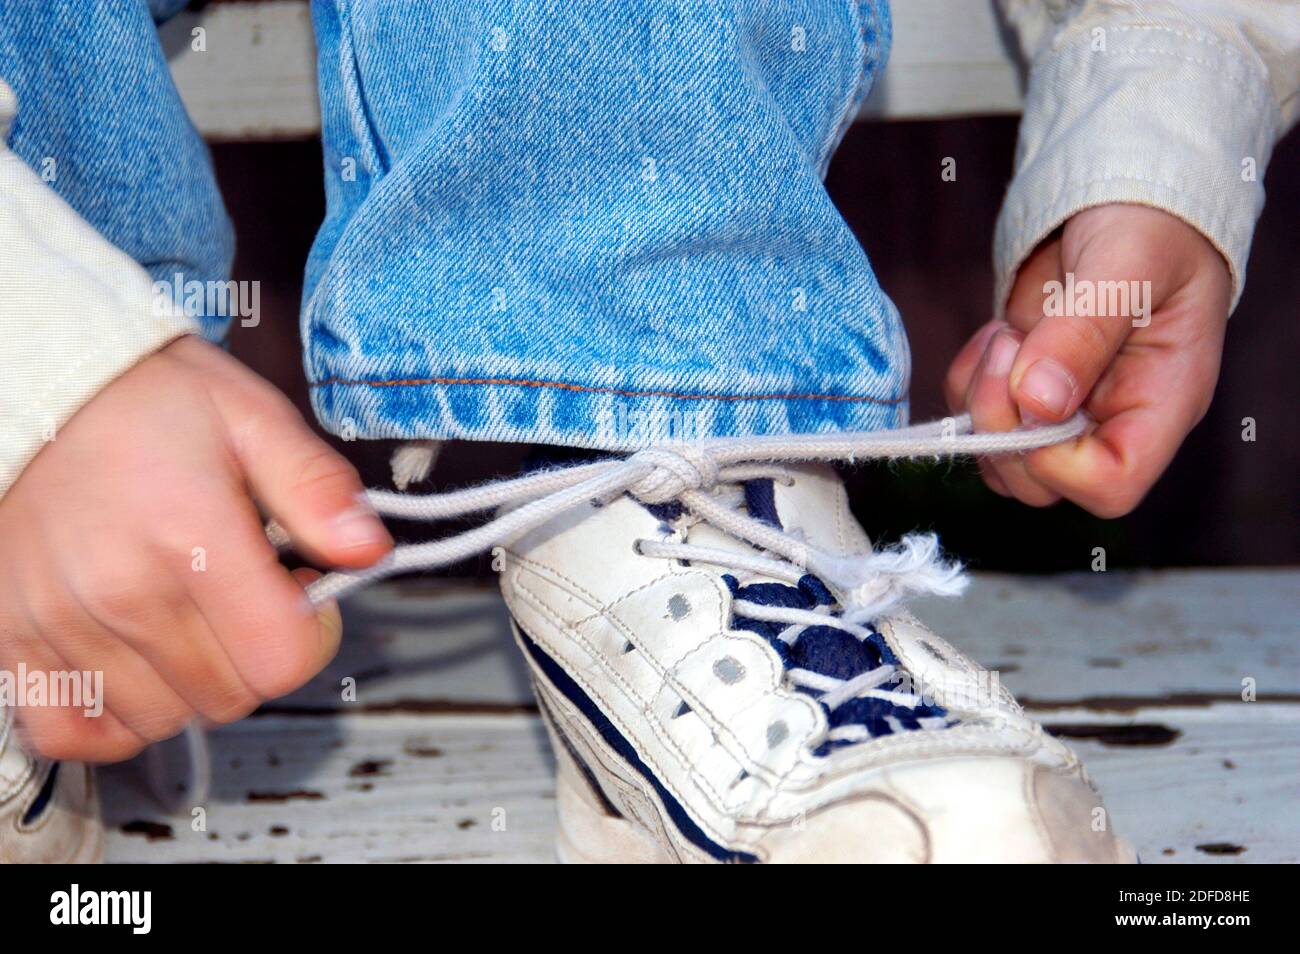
[
  {"x": 992, "y": 409},
  {"x": 200, "y": 670},
  {"x": 957, "y": 385},
  {"x": 1112, "y": 281},
  {"x": 1025, "y": 303},
  {"x": 89, "y": 733},
  {"x": 82, "y": 622},
  {"x": 178, "y": 639},
  {"x": 1146, "y": 407},
  {"x": 312, "y": 491},
  {"x": 994, "y": 480},
  {"x": 329, "y": 619},
  {"x": 69, "y": 734},
  {"x": 957, "y": 382},
  {"x": 1060, "y": 362},
  {"x": 1110, "y": 471},
  {"x": 261, "y": 615}
]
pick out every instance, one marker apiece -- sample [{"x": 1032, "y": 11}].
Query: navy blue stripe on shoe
[
  {"x": 43, "y": 798},
  {"x": 620, "y": 744}
]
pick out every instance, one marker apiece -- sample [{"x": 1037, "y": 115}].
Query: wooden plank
[
  {"x": 1222, "y": 789},
  {"x": 1170, "y": 635},
  {"x": 255, "y": 76},
  {"x": 948, "y": 59},
  {"x": 1216, "y": 785},
  {"x": 419, "y": 646},
  {"x": 376, "y": 788}
]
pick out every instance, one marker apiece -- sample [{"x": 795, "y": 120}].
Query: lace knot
[{"x": 676, "y": 470}]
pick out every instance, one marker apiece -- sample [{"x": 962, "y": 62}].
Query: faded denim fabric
[
  {"x": 100, "y": 120},
  {"x": 594, "y": 224},
  {"x": 586, "y": 223}
]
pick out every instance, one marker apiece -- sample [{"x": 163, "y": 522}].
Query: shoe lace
[
  {"x": 869, "y": 584},
  {"x": 683, "y": 474}
]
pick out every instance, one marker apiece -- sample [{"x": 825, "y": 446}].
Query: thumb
[
  {"x": 329, "y": 620},
  {"x": 1086, "y": 319},
  {"x": 311, "y": 490},
  {"x": 1118, "y": 265}
]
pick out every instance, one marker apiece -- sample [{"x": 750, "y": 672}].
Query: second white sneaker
[{"x": 49, "y": 811}]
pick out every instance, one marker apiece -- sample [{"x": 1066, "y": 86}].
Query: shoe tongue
[
  {"x": 817, "y": 504},
  {"x": 821, "y": 649}
]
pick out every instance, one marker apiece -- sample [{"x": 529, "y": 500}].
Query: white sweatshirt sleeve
[
  {"x": 1175, "y": 105},
  {"x": 75, "y": 312}
]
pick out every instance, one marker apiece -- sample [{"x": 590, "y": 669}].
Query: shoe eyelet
[
  {"x": 777, "y": 733},
  {"x": 729, "y": 670}
]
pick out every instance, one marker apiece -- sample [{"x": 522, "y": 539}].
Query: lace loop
[
  {"x": 676, "y": 470},
  {"x": 660, "y": 475}
]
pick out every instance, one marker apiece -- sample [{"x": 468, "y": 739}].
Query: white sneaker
[
  {"x": 49, "y": 811},
  {"x": 710, "y": 702},
  {"x": 726, "y": 672}
]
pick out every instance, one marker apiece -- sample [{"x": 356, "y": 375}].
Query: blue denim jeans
[
  {"x": 100, "y": 120},
  {"x": 562, "y": 221}
]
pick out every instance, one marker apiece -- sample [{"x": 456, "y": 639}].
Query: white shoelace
[
  {"x": 682, "y": 474},
  {"x": 868, "y": 585}
]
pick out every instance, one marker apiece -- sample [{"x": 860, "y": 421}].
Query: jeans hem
[{"x": 577, "y": 416}]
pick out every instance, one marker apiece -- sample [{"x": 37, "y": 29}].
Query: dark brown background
[{"x": 1223, "y": 502}]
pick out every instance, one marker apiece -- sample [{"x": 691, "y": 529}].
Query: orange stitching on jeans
[{"x": 586, "y": 389}]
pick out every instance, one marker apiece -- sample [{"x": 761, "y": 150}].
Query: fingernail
[
  {"x": 1049, "y": 385},
  {"x": 360, "y": 527},
  {"x": 329, "y": 619},
  {"x": 1002, "y": 355}
]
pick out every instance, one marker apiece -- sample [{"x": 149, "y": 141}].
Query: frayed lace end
[
  {"x": 413, "y": 462},
  {"x": 881, "y": 580}
]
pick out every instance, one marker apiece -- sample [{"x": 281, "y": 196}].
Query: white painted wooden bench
[{"x": 442, "y": 758}]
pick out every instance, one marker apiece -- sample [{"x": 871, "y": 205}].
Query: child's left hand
[{"x": 1145, "y": 377}]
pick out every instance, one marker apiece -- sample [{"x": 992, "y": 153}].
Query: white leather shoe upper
[
  {"x": 691, "y": 730},
  {"x": 49, "y": 812}
]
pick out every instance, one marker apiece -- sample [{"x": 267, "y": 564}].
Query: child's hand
[
  {"x": 132, "y": 545},
  {"x": 1145, "y": 386}
]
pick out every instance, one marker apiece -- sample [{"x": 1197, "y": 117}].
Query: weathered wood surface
[
  {"x": 368, "y": 788},
  {"x": 441, "y": 758},
  {"x": 251, "y": 73}
]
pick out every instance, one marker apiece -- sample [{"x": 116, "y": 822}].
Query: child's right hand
[{"x": 132, "y": 545}]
